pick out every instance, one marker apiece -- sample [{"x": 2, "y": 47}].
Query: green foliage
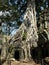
[
  {"x": 15, "y": 10},
  {"x": 24, "y": 35},
  {"x": 41, "y": 3}
]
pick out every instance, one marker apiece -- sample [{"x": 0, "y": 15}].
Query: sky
[
  {"x": 0, "y": 13},
  {"x": 13, "y": 32}
]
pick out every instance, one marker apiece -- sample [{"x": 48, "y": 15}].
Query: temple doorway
[{"x": 17, "y": 55}]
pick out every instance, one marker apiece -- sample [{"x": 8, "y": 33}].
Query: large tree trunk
[
  {"x": 31, "y": 26},
  {"x": 30, "y": 20}
]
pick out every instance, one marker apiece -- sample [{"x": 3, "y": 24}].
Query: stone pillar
[
  {"x": 26, "y": 56},
  {"x": 29, "y": 53},
  {"x": 21, "y": 55}
]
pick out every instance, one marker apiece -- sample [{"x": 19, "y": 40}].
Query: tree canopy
[{"x": 14, "y": 10}]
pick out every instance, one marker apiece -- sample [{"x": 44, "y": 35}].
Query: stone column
[
  {"x": 28, "y": 51},
  {"x": 26, "y": 56},
  {"x": 21, "y": 55}
]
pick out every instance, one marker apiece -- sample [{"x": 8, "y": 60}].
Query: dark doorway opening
[{"x": 16, "y": 55}]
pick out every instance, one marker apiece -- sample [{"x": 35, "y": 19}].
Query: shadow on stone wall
[{"x": 40, "y": 52}]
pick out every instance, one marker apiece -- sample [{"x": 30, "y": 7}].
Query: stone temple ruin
[{"x": 26, "y": 38}]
